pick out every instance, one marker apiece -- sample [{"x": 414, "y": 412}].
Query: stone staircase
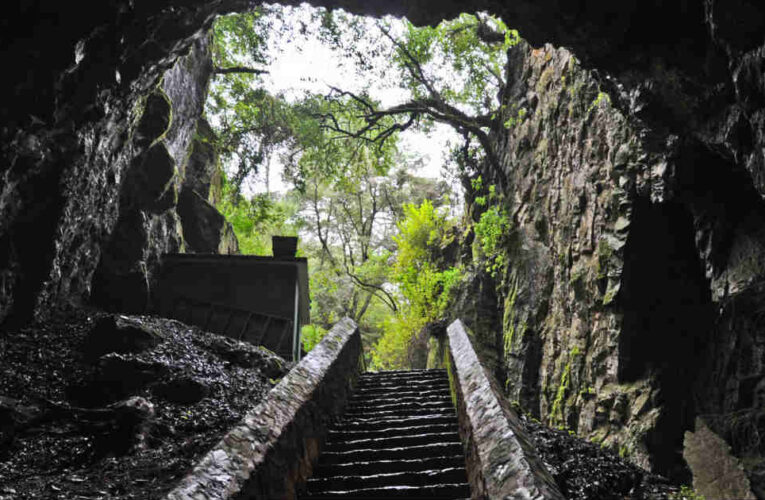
[{"x": 397, "y": 439}]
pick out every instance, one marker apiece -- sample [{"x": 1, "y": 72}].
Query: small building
[{"x": 261, "y": 300}]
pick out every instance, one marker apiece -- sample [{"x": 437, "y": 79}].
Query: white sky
[{"x": 311, "y": 66}]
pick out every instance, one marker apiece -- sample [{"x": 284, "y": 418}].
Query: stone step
[
  {"x": 384, "y": 389},
  {"x": 442, "y": 491},
  {"x": 414, "y": 397},
  {"x": 393, "y": 442},
  {"x": 405, "y": 373},
  {"x": 448, "y": 475},
  {"x": 360, "y": 407},
  {"x": 358, "y": 423},
  {"x": 396, "y": 453},
  {"x": 398, "y": 438},
  {"x": 413, "y": 394},
  {"x": 402, "y": 379},
  {"x": 402, "y": 412},
  {"x": 349, "y": 435},
  {"x": 388, "y": 466}
]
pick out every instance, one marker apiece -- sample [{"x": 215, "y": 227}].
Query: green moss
[
  {"x": 604, "y": 252},
  {"x": 544, "y": 80},
  {"x": 447, "y": 361},
  {"x": 686, "y": 493},
  {"x": 601, "y": 98},
  {"x": 512, "y": 327},
  {"x": 556, "y": 412},
  {"x": 577, "y": 274},
  {"x": 516, "y": 120},
  {"x": 610, "y": 295}
]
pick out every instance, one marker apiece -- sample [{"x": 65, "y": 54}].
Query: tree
[
  {"x": 360, "y": 213},
  {"x": 447, "y": 71},
  {"x": 425, "y": 280}
]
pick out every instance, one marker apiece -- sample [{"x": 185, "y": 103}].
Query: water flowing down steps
[{"x": 398, "y": 438}]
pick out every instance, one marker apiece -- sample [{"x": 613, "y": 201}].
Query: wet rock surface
[
  {"x": 87, "y": 422},
  {"x": 585, "y": 471},
  {"x": 273, "y": 449},
  {"x": 398, "y": 438}
]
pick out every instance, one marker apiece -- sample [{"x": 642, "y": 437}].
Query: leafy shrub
[{"x": 424, "y": 280}]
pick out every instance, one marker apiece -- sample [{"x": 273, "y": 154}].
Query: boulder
[
  {"x": 204, "y": 228},
  {"x": 249, "y": 356},
  {"x": 716, "y": 472},
  {"x": 119, "y": 334}
]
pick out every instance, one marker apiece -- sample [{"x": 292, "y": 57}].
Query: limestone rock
[
  {"x": 203, "y": 163},
  {"x": 204, "y": 228},
  {"x": 716, "y": 473}
]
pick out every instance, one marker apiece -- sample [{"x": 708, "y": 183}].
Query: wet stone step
[
  {"x": 366, "y": 468},
  {"x": 398, "y": 438},
  {"x": 448, "y": 475},
  {"x": 442, "y": 491},
  {"x": 413, "y": 397},
  {"x": 404, "y": 373},
  {"x": 360, "y": 406},
  {"x": 424, "y": 393},
  {"x": 403, "y": 380},
  {"x": 367, "y": 455},
  {"x": 402, "y": 412},
  {"x": 393, "y": 442},
  {"x": 346, "y": 435},
  {"x": 388, "y": 389},
  {"x": 359, "y": 423}
]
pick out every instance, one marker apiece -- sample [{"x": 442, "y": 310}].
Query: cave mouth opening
[{"x": 668, "y": 318}]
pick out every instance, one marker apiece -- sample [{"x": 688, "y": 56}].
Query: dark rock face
[
  {"x": 204, "y": 228},
  {"x": 636, "y": 225},
  {"x": 74, "y": 135}
]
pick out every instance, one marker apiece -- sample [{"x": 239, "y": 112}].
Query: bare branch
[
  {"x": 369, "y": 287},
  {"x": 238, "y": 69}
]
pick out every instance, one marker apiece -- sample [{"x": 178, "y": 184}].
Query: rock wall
[
  {"x": 70, "y": 141},
  {"x": 629, "y": 302},
  {"x": 79, "y": 138},
  {"x": 163, "y": 205}
]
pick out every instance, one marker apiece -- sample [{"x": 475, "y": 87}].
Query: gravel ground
[
  {"x": 79, "y": 424},
  {"x": 585, "y": 471}
]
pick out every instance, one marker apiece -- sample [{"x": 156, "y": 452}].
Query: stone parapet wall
[
  {"x": 501, "y": 460},
  {"x": 273, "y": 450}
]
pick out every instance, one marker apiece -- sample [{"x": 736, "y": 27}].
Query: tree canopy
[{"x": 374, "y": 233}]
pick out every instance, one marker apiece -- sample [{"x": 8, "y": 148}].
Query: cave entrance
[{"x": 667, "y": 321}]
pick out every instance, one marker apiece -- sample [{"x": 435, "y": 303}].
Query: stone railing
[
  {"x": 501, "y": 461},
  {"x": 273, "y": 450}
]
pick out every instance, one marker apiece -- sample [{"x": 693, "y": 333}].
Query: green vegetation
[
  {"x": 492, "y": 229},
  {"x": 686, "y": 493},
  {"x": 602, "y": 98},
  {"x": 423, "y": 278},
  {"x": 556, "y": 413},
  {"x": 374, "y": 234}
]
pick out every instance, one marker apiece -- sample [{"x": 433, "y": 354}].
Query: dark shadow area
[{"x": 667, "y": 320}]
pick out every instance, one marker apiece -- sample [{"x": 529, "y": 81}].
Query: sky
[{"x": 306, "y": 64}]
